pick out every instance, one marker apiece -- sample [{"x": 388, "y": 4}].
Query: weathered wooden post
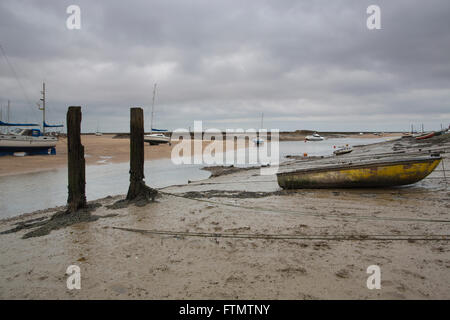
[
  {"x": 76, "y": 163},
  {"x": 137, "y": 185}
]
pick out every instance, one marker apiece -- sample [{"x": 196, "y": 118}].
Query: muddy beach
[{"x": 239, "y": 236}]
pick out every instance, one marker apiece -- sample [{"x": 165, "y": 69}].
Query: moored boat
[
  {"x": 30, "y": 141},
  {"x": 425, "y": 136},
  {"x": 380, "y": 173},
  {"x": 156, "y": 138},
  {"x": 343, "y": 150},
  {"x": 314, "y": 137}
]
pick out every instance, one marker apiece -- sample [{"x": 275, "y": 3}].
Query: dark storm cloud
[{"x": 305, "y": 64}]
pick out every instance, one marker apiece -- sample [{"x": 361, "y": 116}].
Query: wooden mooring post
[
  {"x": 137, "y": 188},
  {"x": 76, "y": 162}
]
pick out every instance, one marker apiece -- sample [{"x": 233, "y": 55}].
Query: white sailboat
[
  {"x": 28, "y": 141},
  {"x": 155, "y": 138}
]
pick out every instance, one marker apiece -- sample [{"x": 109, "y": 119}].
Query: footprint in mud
[
  {"x": 234, "y": 279},
  {"x": 291, "y": 271},
  {"x": 410, "y": 273},
  {"x": 321, "y": 246},
  {"x": 343, "y": 273}
]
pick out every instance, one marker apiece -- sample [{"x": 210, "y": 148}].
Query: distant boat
[
  {"x": 342, "y": 150},
  {"x": 258, "y": 140},
  {"x": 425, "y": 136},
  {"x": 155, "y": 138},
  {"x": 380, "y": 173},
  {"x": 314, "y": 137},
  {"x": 98, "y": 133}
]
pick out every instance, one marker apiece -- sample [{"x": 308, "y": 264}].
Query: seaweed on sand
[{"x": 61, "y": 219}]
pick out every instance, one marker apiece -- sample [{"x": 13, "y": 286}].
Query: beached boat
[
  {"x": 380, "y": 173},
  {"x": 23, "y": 141},
  {"x": 30, "y": 141},
  {"x": 343, "y": 150},
  {"x": 155, "y": 138},
  {"x": 425, "y": 136},
  {"x": 314, "y": 137}
]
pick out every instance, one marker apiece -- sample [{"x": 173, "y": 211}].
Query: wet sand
[{"x": 121, "y": 264}]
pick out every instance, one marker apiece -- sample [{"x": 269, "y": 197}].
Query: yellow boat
[{"x": 381, "y": 173}]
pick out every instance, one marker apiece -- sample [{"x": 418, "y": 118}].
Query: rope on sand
[
  {"x": 338, "y": 237},
  {"x": 333, "y": 216}
]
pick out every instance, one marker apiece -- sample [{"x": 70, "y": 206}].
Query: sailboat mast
[
  {"x": 43, "y": 107},
  {"x": 262, "y": 119},
  {"x": 153, "y": 108},
  {"x": 7, "y": 128}
]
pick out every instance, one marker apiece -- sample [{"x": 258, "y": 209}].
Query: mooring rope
[
  {"x": 337, "y": 237},
  {"x": 334, "y": 216}
]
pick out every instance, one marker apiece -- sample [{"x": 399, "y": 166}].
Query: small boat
[
  {"x": 343, "y": 150},
  {"x": 380, "y": 173},
  {"x": 426, "y": 136},
  {"x": 314, "y": 137},
  {"x": 155, "y": 138},
  {"x": 98, "y": 133}
]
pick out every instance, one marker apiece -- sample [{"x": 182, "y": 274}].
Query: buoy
[
  {"x": 305, "y": 154},
  {"x": 334, "y": 147}
]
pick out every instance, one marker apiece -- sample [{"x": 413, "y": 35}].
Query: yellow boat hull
[{"x": 378, "y": 174}]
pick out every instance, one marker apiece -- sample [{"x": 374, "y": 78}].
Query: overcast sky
[{"x": 305, "y": 64}]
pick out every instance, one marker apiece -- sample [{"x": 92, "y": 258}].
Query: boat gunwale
[{"x": 367, "y": 165}]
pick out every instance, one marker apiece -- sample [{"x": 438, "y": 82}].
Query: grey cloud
[{"x": 304, "y": 64}]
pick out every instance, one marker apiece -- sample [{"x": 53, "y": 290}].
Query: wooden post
[
  {"x": 137, "y": 185},
  {"x": 76, "y": 163}
]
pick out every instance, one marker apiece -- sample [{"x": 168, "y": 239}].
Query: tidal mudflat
[{"x": 239, "y": 235}]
